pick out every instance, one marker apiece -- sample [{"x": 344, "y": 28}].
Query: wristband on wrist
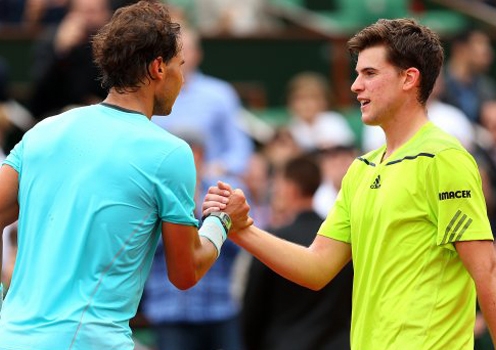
[
  {"x": 224, "y": 218},
  {"x": 215, "y": 229}
]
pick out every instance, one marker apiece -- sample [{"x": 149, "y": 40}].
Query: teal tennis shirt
[{"x": 95, "y": 183}]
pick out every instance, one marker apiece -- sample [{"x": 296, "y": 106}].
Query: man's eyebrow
[{"x": 364, "y": 69}]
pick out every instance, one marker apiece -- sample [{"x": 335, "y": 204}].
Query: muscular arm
[
  {"x": 188, "y": 255},
  {"x": 312, "y": 267},
  {"x": 479, "y": 258}
]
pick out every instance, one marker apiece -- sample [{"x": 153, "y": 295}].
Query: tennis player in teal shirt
[{"x": 95, "y": 188}]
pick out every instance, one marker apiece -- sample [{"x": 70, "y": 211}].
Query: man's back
[{"x": 94, "y": 184}]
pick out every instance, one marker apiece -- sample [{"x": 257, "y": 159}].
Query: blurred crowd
[{"x": 291, "y": 177}]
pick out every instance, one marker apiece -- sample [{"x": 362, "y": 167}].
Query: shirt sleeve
[
  {"x": 176, "y": 187},
  {"x": 457, "y": 199},
  {"x": 14, "y": 159}
]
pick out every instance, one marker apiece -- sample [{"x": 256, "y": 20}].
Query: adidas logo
[{"x": 377, "y": 183}]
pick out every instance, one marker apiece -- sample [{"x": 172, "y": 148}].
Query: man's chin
[
  {"x": 367, "y": 120},
  {"x": 162, "y": 113}
]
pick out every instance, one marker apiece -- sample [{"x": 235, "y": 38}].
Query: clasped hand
[{"x": 223, "y": 198}]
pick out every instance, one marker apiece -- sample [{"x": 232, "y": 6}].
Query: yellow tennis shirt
[{"x": 402, "y": 217}]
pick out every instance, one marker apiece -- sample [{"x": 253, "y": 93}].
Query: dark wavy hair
[
  {"x": 408, "y": 44},
  {"x": 136, "y": 35}
]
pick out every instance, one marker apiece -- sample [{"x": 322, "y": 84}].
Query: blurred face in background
[
  {"x": 307, "y": 103},
  {"x": 191, "y": 50},
  {"x": 308, "y": 95},
  {"x": 488, "y": 117},
  {"x": 283, "y": 191},
  {"x": 335, "y": 163},
  {"x": 480, "y": 52},
  {"x": 256, "y": 176},
  {"x": 93, "y": 13}
]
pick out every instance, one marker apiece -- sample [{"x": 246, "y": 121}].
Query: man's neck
[
  {"x": 134, "y": 101},
  {"x": 400, "y": 130}
]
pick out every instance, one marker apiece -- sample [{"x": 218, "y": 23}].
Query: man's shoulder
[
  {"x": 435, "y": 140},
  {"x": 64, "y": 116}
]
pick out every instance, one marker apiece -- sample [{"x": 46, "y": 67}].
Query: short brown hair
[
  {"x": 305, "y": 172},
  {"x": 408, "y": 44},
  {"x": 135, "y": 36}
]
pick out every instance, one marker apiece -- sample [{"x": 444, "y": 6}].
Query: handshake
[{"x": 233, "y": 202}]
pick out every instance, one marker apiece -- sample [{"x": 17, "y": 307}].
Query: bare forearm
[
  {"x": 479, "y": 258},
  {"x": 205, "y": 256},
  {"x": 188, "y": 255},
  {"x": 487, "y": 301},
  {"x": 8, "y": 216},
  {"x": 312, "y": 267},
  {"x": 185, "y": 271},
  {"x": 279, "y": 255}
]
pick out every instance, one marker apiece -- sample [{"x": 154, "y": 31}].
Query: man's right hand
[{"x": 223, "y": 198}]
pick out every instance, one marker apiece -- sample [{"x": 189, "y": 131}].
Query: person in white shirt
[{"x": 313, "y": 125}]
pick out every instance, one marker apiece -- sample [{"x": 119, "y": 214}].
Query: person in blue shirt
[
  {"x": 467, "y": 83},
  {"x": 94, "y": 189}
]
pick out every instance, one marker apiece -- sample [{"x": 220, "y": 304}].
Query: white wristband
[{"x": 213, "y": 230}]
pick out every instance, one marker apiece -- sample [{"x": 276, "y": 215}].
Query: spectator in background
[
  {"x": 212, "y": 107},
  {"x": 280, "y": 148},
  {"x": 44, "y": 12},
  {"x": 11, "y": 11},
  {"x": 486, "y": 156},
  {"x": 63, "y": 69},
  {"x": 257, "y": 180},
  {"x": 206, "y": 316},
  {"x": 279, "y": 314},
  {"x": 488, "y": 122},
  {"x": 467, "y": 84},
  {"x": 236, "y": 17},
  {"x": 47, "y": 12},
  {"x": 16, "y": 119},
  {"x": 334, "y": 163},
  {"x": 312, "y": 124}
]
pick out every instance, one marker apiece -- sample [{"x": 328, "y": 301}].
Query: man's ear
[
  {"x": 157, "y": 67},
  {"x": 412, "y": 78}
]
